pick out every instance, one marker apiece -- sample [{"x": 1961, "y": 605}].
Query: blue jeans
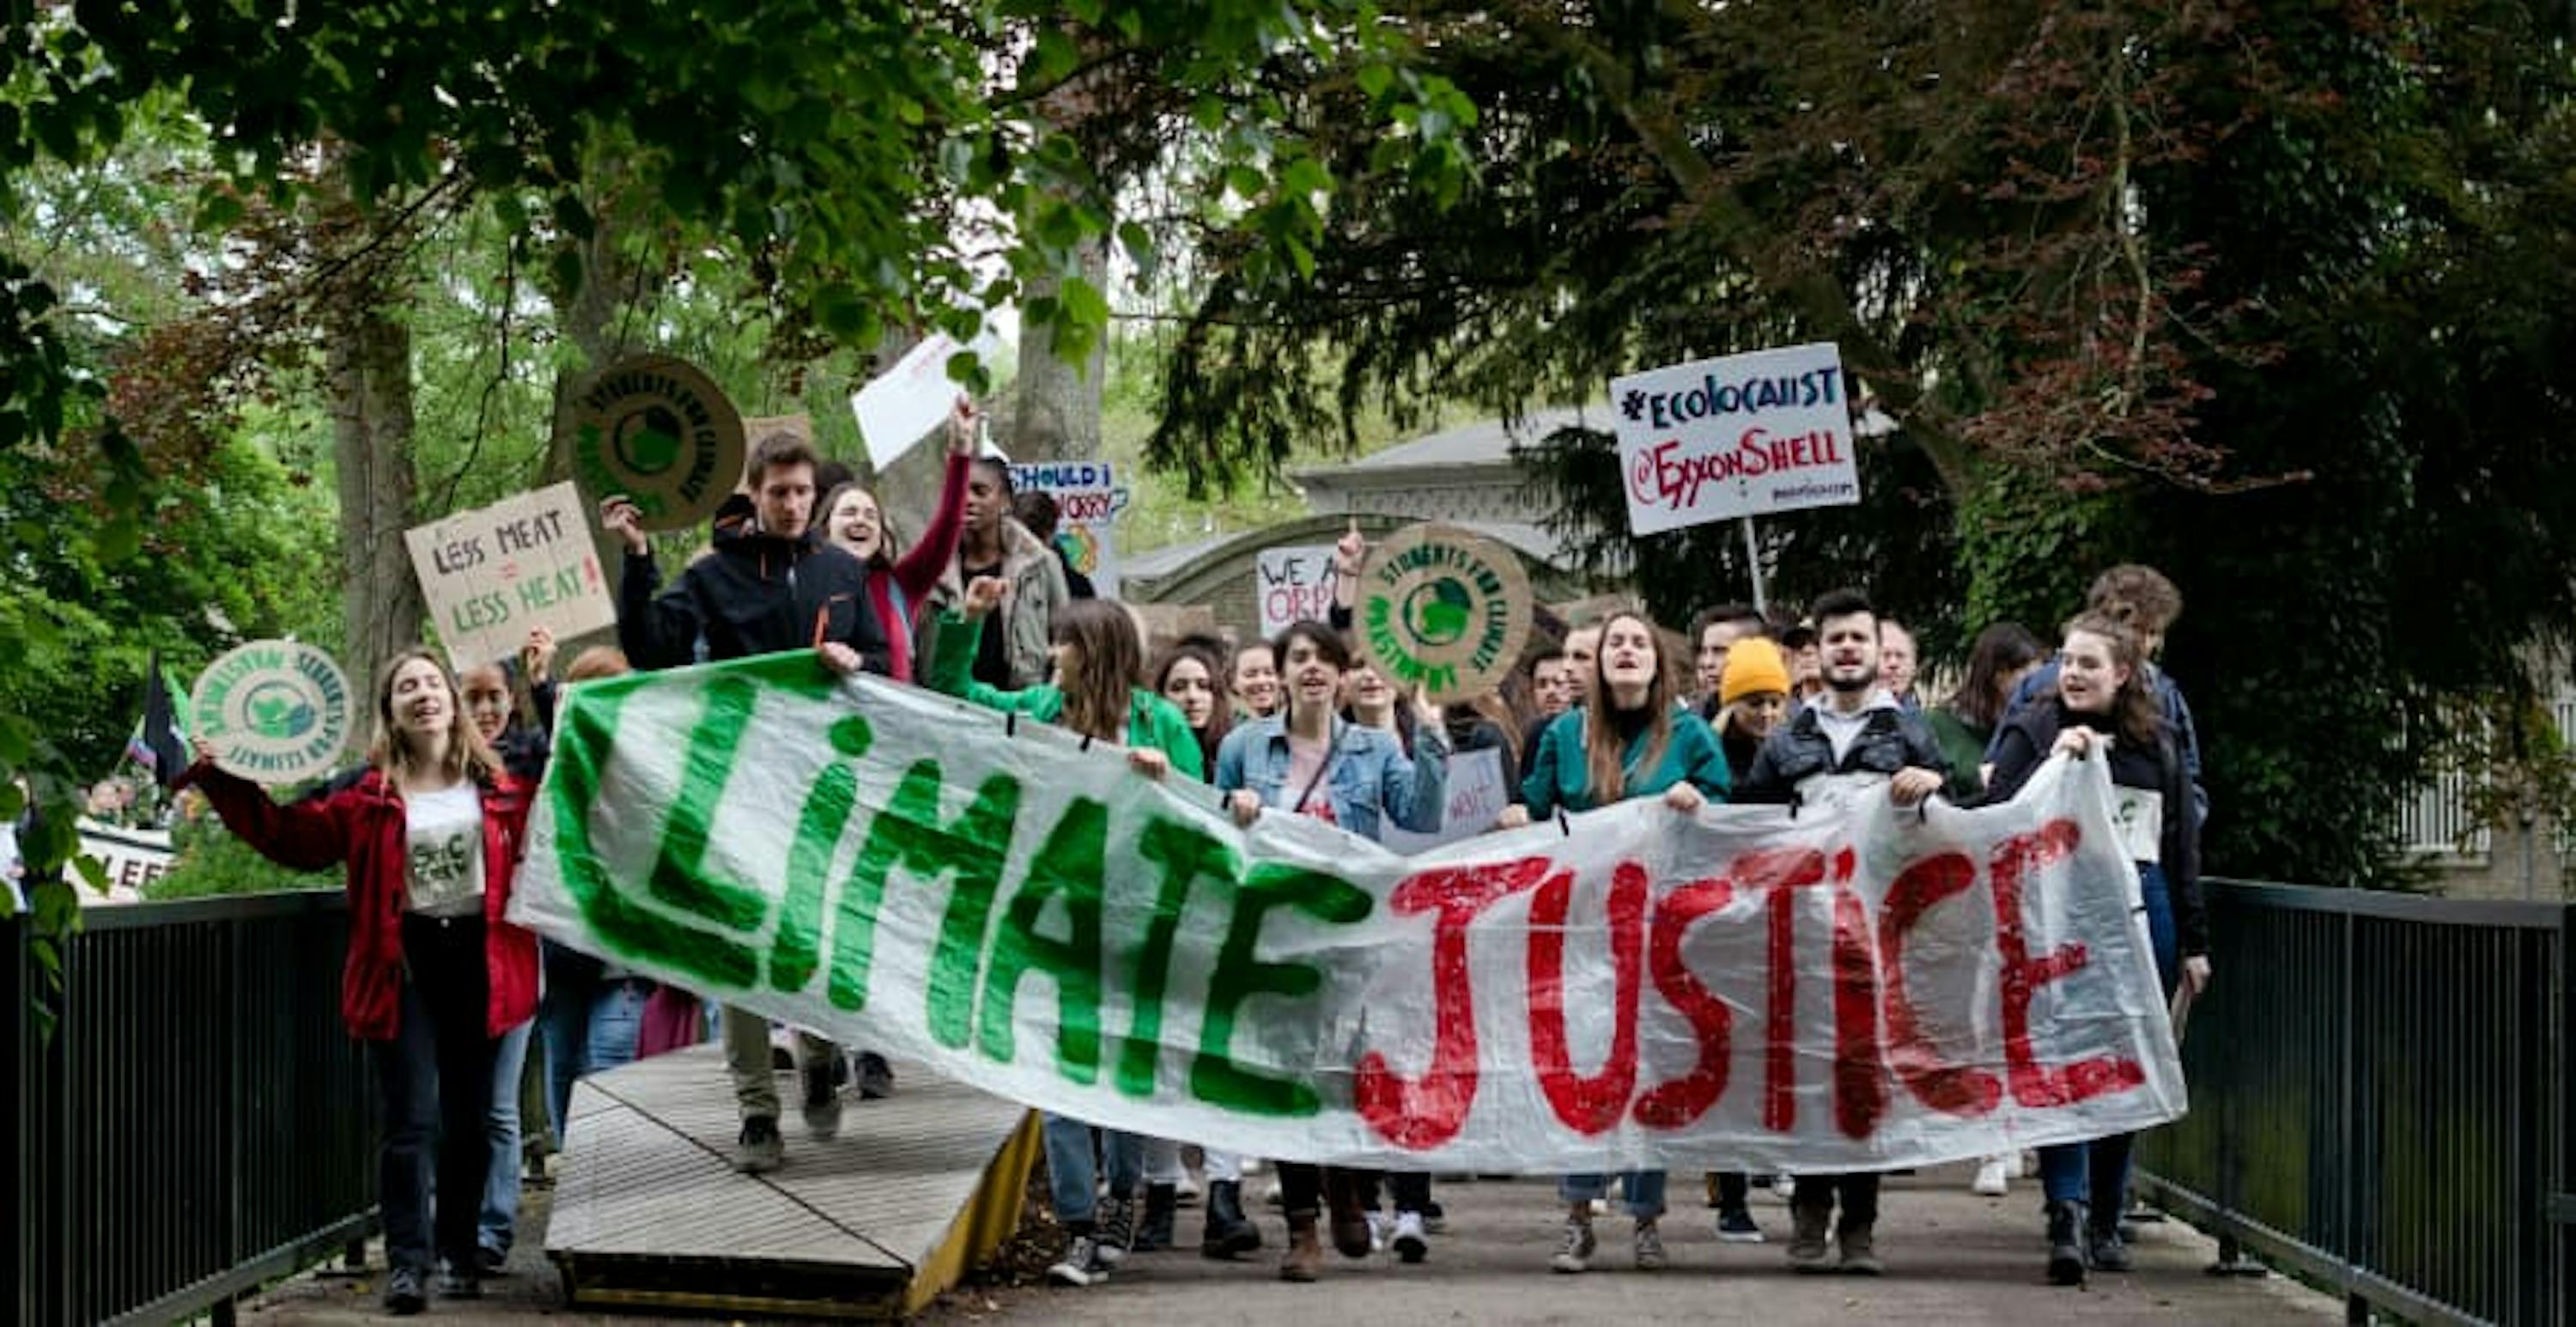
[
  {"x": 1073, "y": 1176},
  {"x": 2097, "y": 1172},
  {"x": 435, "y": 1081},
  {"x": 1643, "y": 1190},
  {"x": 499, "y": 1226},
  {"x": 590, "y": 1025}
]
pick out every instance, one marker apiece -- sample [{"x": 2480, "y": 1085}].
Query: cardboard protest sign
[
  {"x": 494, "y": 574},
  {"x": 1475, "y": 796},
  {"x": 1738, "y": 988},
  {"x": 660, "y": 432},
  {"x": 1087, "y": 500},
  {"x": 1739, "y": 436},
  {"x": 1292, "y": 585},
  {"x": 132, "y": 858},
  {"x": 1443, "y": 609},
  {"x": 276, "y": 711}
]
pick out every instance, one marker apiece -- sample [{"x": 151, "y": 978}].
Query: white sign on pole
[
  {"x": 1476, "y": 799},
  {"x": 494, "y": 574},
  {"x": 1293, "y": 585},
  {"x": 1716, "y": 439},
  {"x": 1087, "y": 502}
]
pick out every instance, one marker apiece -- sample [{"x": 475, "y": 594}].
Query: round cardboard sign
[
  {"x": 276, "y": 711},
  {"x": 657, "y": 430},
  {"x": 1444, "y": 609}
]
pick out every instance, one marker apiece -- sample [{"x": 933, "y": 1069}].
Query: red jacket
[{"x": 364, "y": 825}]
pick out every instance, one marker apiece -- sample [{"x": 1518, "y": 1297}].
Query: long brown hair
[
  {"x": 1220, "y": 713},
  {"x": 2133, "y": 711},
  {"x": 1103, "y": 636},
  {"x": 468, "y": 756},
  {"x": 1603, "y": 767}
]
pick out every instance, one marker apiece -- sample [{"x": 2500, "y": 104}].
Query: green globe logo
[
  {"x": 278, "y": 711},
  {"x": 1437, "y": 612},
  {"x": 648, "y": 441}
]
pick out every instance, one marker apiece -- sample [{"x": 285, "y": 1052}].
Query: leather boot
[
  {"x": 1349, "y": 1220},
  {"x": 2065, "y": 1255},
  {"x": 1305, "y": 1260},
  {"x": 1229, "y": 1234},
  {"x": 1154, "y": 1231}
]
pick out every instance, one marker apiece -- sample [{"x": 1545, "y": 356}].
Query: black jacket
[
  {"x": 1890, "y": 740},
  {"x": 2023, "y": 744},
  {"x": 755, "y": 594}
]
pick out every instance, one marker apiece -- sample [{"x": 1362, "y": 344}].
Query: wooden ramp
[{"x": 649, "y": 1211}]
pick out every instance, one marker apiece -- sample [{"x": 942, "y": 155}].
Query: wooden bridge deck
[{"x": 873, "y": 1223}]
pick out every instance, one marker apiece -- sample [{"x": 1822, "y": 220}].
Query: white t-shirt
[{"x": 444, "y": 837}]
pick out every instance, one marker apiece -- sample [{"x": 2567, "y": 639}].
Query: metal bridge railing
[
  {"x": 2379, "y": 1089},
  {"x": 199, "y": 1122}
]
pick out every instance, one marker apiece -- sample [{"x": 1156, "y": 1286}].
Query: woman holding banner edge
[
  {"x": 2102, "y": 702},
  {"x": 1645, "y": 744},
  {"x": 1099, "y": 663},
  {"x": 1308, "y": 760}
]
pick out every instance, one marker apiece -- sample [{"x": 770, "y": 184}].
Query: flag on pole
[{"x": 159, "y": 743}]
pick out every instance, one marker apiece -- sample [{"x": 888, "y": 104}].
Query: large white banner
[
  {"x": 1739, "y": 988},
  {"x": 1740, "y": 436}
]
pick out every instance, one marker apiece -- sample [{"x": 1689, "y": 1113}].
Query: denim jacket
[{"x": 1370, "y": 775}]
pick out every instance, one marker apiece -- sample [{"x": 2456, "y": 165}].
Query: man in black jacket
[
  {"x": 1852, "y": 739},
  {"x": 772, "y": 583}
]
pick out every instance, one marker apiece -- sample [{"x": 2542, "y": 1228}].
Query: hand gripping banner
[{"x": 1743, "y": 988}]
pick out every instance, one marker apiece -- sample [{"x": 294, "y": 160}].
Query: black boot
[
  {"x": 1229, "y": 1234},
  {"x": 2065, "y": 1254},
  {"x": 1154, "y": 1233}
]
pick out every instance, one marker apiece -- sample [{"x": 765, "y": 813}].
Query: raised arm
[
  {"x": 307, "y": 836},
  {"x": 655, "y": 630},
  {"x": 952, "y": 656},
  {"x": 920, "y": 568}
]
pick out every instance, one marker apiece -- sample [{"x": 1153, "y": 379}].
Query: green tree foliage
[
  {"x": 2270, "y": 296},
  {"x": 872, "y": 167}
]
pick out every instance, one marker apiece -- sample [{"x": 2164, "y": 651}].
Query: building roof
[{"x": 1485, "y": 442}]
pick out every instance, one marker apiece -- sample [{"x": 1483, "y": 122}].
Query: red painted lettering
[
  {"x": 2033, "y": 1083},
  {"x": 1933, "y": 1081},
  {"x": 1773, "y": 873},
  {"x": 1685, "y": 1099},
  {"x": 1423, "y": 1115},
  {"x": 1860, "y": 1086},
  {"x": 1592, "y": 1104}
]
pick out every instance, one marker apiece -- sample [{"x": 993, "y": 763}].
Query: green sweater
[
  {"x": 1966, "y": 748},
  {"x": 1557, "y": 777},
  {"x": 1151, "y": 720}
]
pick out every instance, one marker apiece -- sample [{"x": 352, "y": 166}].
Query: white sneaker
[
  {"x": 1410, "y": 1242},
  {"x": 2018, "y": 1163},
  {"x": 1185, "y": 1190},
  {"x": 1783, "y": 1187},
  {"x": 1990, "y": 1181},
  {"x": 1379, "y": 1228},
  {"x": 1601, "y": 1207},
  {"x": 1272, "y": 1195}
]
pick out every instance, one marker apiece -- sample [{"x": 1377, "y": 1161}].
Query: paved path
[{"x": 1952, "y": 1258}]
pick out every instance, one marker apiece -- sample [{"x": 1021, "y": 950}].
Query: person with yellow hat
[{"x": 1751, "y": 697}]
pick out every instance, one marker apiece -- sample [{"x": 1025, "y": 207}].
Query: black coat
[
  {"x": 1889, "y": 740},
  {"x": 755, "y": 594},
  {"x": 2023, "y": 744}
]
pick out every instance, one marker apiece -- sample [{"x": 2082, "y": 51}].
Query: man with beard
[{"x": 1854, "y": 738}]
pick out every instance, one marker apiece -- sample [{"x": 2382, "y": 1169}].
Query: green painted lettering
[
  {"x": 809, "y": 858},
  {"x": 909, "y": 833},
  {"x": 1068, "y": 866},
  {"x": 678, "y": 876},
  {"x": 1185, "y": 854},
  {"x": 1214, "y": 1076}
]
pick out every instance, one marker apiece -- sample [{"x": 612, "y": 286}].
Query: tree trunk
[
  {"x": 371, "y": 413},
  {"x": 1055, "y": 405}
]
